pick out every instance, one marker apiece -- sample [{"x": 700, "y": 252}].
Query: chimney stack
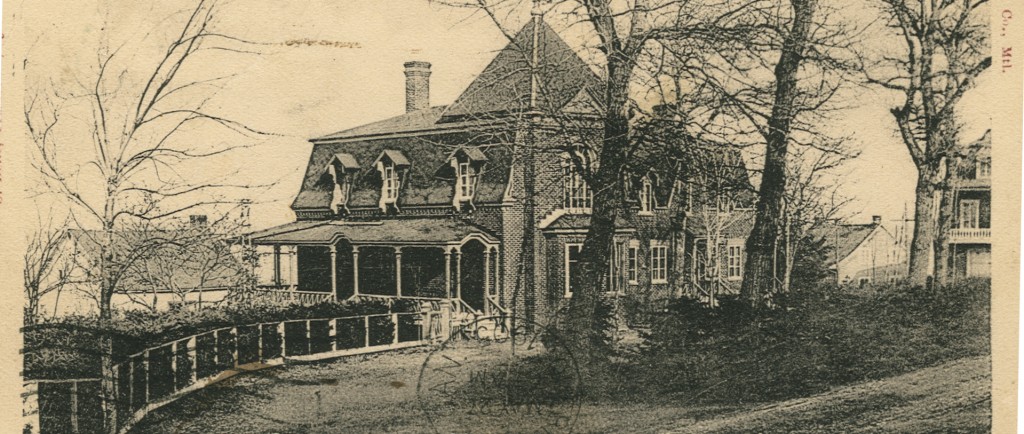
[
  {"x": 876, "y": 219},
  {"x": 417, "y": 86}
]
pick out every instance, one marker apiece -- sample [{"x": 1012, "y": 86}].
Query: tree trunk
[
  {"x": 943, "y": 261},
  {"x": 108, "y": 377},
  {"x": 924, "y": 230},
  {"x": 604, "y": 182},
  {"x": 759, "y": 275}
]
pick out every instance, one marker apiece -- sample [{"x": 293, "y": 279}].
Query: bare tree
[
  {"x": 200, "y": 259},
  {"x": 48, "y": 269},
  {"x": 114, "y": 147},
  {"x": 946, "y": 47}
]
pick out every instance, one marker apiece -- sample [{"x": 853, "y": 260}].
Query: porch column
[
  {"x": 458, "y": 274},
  {"x": 487, "y": 272},
  {"x": 334, "y": 271},
  {"x": 447, "y": 273},
  {"x": 498, "y": 275},
  {"x": 293, "y": 253},
  {"x": 355, "y": 271},
  {"x": 398, "y": 271},
  {"x": 277, "y": 265}
]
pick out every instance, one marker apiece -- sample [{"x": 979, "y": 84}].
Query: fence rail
[{"x": 159, "y": 375}]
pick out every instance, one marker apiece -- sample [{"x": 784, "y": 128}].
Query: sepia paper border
[{"x": 1007, "y": 24}]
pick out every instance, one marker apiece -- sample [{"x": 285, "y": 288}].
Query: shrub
[{"x": 817, "y": 340}]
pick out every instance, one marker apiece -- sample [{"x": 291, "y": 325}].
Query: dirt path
[
  {"x": 377, "y": 393},
  {"x": 952, "y": 397}
]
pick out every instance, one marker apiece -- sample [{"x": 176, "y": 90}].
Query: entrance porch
[{"x": 431, "y": 260}]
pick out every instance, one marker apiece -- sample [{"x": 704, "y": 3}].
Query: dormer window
[
  {"x": 341, "y": 168},
  {"x": 646, "y": 196},
  {"x": 391, "y": 165},
  {"x": 984, "y": 169},
  {"x": 576, "y": 194},
  {"x": 391, "y": 184},
  {"x": 464, "y": 166},
  {"x": 466, "y": 181}
]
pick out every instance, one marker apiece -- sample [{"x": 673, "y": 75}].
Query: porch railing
[
  {"x": 292, "y": 296},
  {"x": 159, "y": 375},
  {"x": 970, "y": 235}
]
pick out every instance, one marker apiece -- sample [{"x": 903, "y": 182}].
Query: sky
[{"x": 325, "y": 66}]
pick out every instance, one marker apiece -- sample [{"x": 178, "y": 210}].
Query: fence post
[
  {"x": 280, "y": 331},
  {"x": 333, "y": 334},
  {"x": 366, "y": 323},
  {"x": 174, "y": 366},
  {"x": 131, "y": 384},
  {"x": 216, "y": 348},
  {"x": 394, "y": 319},
  {"x": 193, "y": 353},
  {"x": 145, "y": 367},
  {"x": 309, "y": 339},
  {"x": 234, "y": 353},
  {"x": 74, "y": 407},
  {"x": 425, "y": 325},
  {"x": 259, "y": 343}
]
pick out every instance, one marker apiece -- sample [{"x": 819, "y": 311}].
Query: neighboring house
[
  {"x": 970, "y": 239},
  {"x": 481, "y": 202},
  {"x": 164, "y": 277},
  {"x": 863, "y": 254}
]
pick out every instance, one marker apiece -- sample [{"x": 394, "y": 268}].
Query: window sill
[
  {"x": 659, "y": 282},
  {"x": 576, "y": 210},
  {"x": 645, "y": 213}
]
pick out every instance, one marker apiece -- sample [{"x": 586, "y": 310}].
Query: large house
[
  {"x": 970, "y": 240},
  {"x": 482, "y": 202}
]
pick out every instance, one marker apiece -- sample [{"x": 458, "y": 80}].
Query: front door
[{"x": 472, "y": 279}]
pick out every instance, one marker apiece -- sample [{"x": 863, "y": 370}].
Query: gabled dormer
[
  {"x": 392, "y": 166},
  {"x": 463, "y": 167},
  {"x": 342, "y": 168}
]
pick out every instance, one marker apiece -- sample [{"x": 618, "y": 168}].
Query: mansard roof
[{"x": 420, "y": 185}]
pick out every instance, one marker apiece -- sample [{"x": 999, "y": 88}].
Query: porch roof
[{"x": 411, "y": 231}]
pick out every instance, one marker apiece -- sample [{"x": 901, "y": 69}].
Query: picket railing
[
  {"x": 159, "y": 375},
  {"x": 292, "y": 296}
]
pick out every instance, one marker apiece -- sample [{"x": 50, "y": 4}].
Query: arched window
[{"x": 576, "y": 194}]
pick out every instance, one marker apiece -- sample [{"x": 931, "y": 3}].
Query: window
[
  {"x": 631, "y": 263},
  {"x": 983, "y": 170},
  {"x": 659, "y": 263},
  {"x": 341, "y": 188},
  {"x": 467, "y": 181},
  {"x": 863, "y": 282},
  {"x": 572, "y": 259},
  {"x": 391, "y": 184},
  {"x": 646, "y": 196},
  {"x": 576, "y": 194},
  {"x": 735, "y": 269},
  {"x": 969, "y": 214}
]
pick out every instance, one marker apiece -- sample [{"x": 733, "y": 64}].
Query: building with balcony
[{"x": 970, "y": 239}]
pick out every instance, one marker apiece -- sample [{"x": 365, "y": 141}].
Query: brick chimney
[
  {"x": 876, "y": 219},
  {"x": 417, "y": 85}
]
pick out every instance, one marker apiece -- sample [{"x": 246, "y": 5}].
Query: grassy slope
[{"x": 952, "y": 397}]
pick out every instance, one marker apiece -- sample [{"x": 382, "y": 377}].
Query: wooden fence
[{"x": 159, "y": 375}]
